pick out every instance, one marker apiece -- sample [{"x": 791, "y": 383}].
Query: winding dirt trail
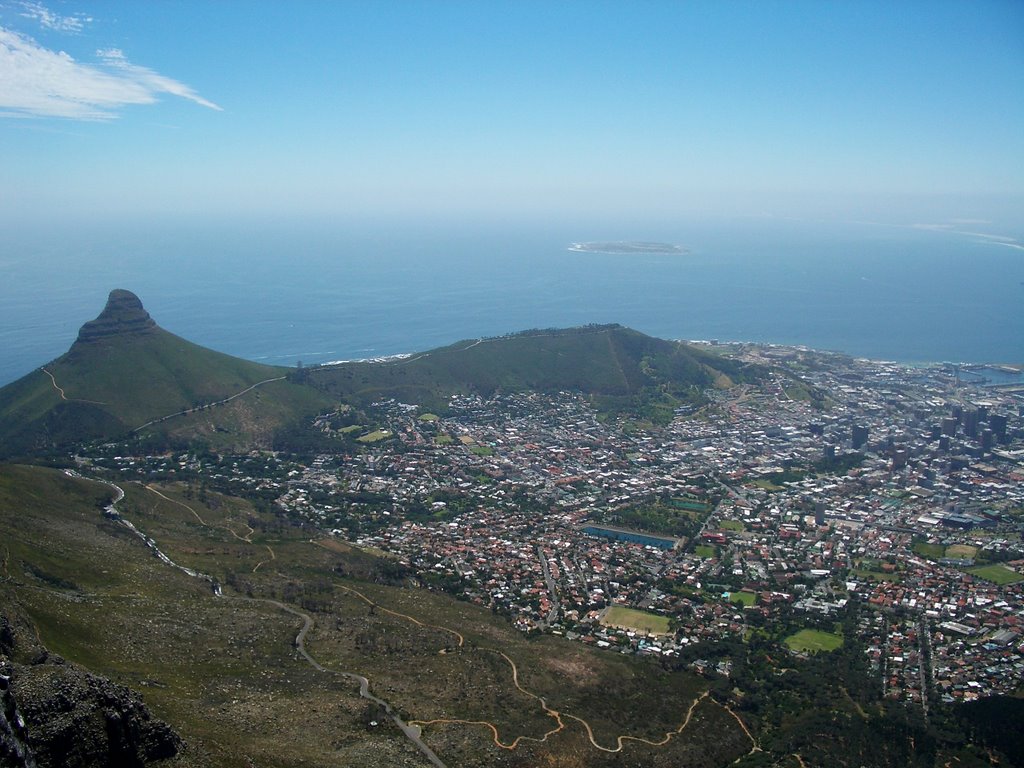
[
  {"x": 226, "y": 526},
  {"x": 261, "y": 562},
  {"x": 755, "y": 745},
  {"x": 621, "y": 740},
  {"x": 413, "y": 728},
  {"x": 59, "y": 390},
  {"x": 493, "y": 728},
  {"x": 180, "y": 504},
  {"x": 411, "y": 732},
  {"x": 550, "y": 712},
  {"x": 413, "y": 619},
  {"x": 63, "y": 396},
  {"x": 743, "y": 726}
]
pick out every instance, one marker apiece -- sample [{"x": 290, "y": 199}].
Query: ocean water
[{"x": 281, "y": 292}]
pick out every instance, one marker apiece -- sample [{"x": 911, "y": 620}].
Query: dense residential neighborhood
[{"x": 837, "y": 485}]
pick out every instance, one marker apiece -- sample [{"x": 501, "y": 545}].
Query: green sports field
[
  {"x": 629, "y": 618},
  {"x": 962, "y": 550},
  {"x": 374, "y": 437},
  {"x": 747, "y": 598},
  {"x": 998, "y": 574},
  {"x": 813, "y": 640}
]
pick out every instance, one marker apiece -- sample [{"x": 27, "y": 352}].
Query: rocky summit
[{"x": 123, "y": 315}]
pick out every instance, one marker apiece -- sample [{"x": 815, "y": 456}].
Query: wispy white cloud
[
  {"x": 157, "y": 83},
  {"x": 50, "y": 20},
  {"x": 38, "y": 82}
]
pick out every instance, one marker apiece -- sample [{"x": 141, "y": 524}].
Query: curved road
[
  {"x": 412, "y": 729},
  {"x": 412, "y": 732},
  {"x": 208, "y": 405}
]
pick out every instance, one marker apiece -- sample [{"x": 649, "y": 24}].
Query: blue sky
[{"x": 910, "y": 112}]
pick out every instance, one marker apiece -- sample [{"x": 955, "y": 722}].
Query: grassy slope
[
  {"x": 141, "y": 377},
  {"x": 607, "y": 361},
  {"x": 119, "y": 383},
  {"x": 223, "y": 671}
]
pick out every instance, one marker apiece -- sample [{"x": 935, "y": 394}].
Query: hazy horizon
[
  {"x": 501, "y": 111},
  {"x": 906, "y": 293},
  {"x": 387, "y": 153}
]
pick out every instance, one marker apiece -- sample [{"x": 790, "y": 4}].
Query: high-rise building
[
  {"x": 972, "y": 419},
  {"x": 997, "y": 423},
  {"x": 860, "y": 436},
  {"x": 899, "y": 458}
]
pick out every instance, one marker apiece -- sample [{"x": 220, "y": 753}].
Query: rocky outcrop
[
  {"x": 14, "y": 749},
  {"x": 74, "y": 718},
  {"x": 123, "y": 315},
  {"x": 56, "y": 714}
]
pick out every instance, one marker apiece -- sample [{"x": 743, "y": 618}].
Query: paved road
[
  {"x": 411, "y": 732},
  {"x": 208, "y": 405},
  {"x": 555, "y": 606}
]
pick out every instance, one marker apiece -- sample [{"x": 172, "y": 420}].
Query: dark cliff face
[
  {"x": 123, "y": 315},
  {"x": 14, "y": 748},
  {"x": 57, "y": 714},
  {"x": 74, "y": 718}
]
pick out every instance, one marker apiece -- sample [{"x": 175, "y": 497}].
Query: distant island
[{"x": 628, "y": 246}]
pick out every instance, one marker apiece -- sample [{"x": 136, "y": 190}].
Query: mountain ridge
[{"x": 124, "y": 372}]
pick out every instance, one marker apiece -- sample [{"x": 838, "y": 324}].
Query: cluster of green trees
[
  {"x": 829, "y": 708},
  {"x": 661, "y": 514}
]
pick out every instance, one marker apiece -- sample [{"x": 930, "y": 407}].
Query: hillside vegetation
[
  {"x": 123, "y": 371},
  {"x": 125, "y": 376},
  {"x": 223, "y": 672},
  {"x": 620, "y": 368}
]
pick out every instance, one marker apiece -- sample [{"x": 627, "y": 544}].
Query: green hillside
[
  {"x": 621, "y": 368},
  {"x": 124, "y": 371},
  {"x": 125, "y": 376},
  {"x": 223, "y": 672}
]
